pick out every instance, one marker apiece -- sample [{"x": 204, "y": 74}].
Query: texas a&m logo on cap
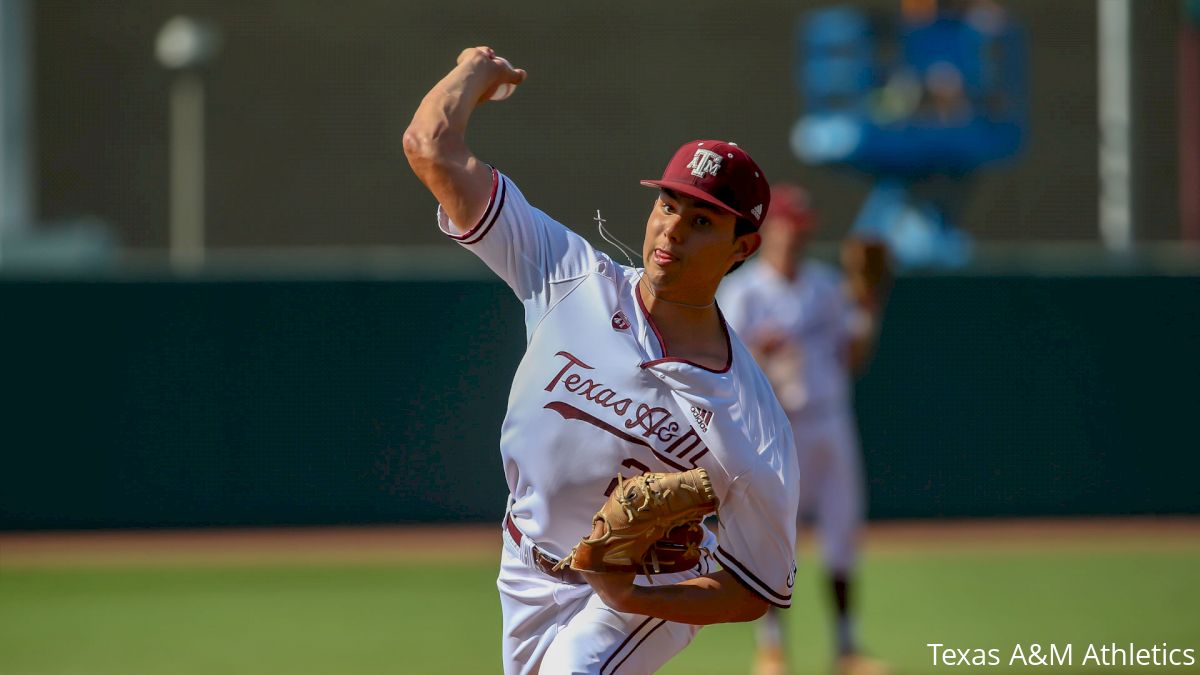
[
  {"x": 705, "y": 162},
  {"x": 720, "y": 174}
]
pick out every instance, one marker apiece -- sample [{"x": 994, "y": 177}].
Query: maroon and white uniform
[
  {"x": 598, "y": 393},
  {"x": 812, "y": 322}
]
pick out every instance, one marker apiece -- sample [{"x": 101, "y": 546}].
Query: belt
[{"x": 543, "y": 562}]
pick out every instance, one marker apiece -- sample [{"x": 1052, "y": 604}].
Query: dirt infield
[{"x": 424, "y": 543}]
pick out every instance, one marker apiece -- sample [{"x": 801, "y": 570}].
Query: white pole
[
  {"x": 187, "y": 171},
  {"x": 184, "y": 45},
  {"x": 1116, "y": 190},
  {"x": 16, "y": 136}
]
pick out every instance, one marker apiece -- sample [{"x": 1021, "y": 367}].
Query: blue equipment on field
[{"x": 920, "y": 123}]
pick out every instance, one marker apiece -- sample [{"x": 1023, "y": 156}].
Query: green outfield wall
[{"x": 170, "y": 403}]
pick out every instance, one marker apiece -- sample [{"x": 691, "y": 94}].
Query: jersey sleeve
[
  {"x": 757, "y": 529},
  {"x": 750, "y": 545},
  {"x": 853, "y": 321},
  {"x": 526, "y": 248}
]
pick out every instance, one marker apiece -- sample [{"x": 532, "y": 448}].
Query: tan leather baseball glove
[
  {"x": 649, "y": 525},
  {"x": 867, "y": 267}
]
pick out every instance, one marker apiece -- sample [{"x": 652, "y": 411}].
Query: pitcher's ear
[{"x": 747, "y": 244}]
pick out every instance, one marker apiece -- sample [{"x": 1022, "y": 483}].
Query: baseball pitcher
[{"x": 635, "y": 410}]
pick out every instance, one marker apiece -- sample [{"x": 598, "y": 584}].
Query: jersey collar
[{"x": 666, "y": 357}]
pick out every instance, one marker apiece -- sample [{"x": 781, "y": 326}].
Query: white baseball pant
[
  {"x": 556, "y": 628},
  {"x": 831, "y": 484}
]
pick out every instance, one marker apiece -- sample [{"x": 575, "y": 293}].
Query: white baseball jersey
[
  {"x": 814, "y": 318},
  {"x": 597, "y": 392}
]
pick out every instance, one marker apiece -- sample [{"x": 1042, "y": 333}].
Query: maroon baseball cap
[
  {"x": 791, "y": 203},
  {"x": 721, "y": 173}
]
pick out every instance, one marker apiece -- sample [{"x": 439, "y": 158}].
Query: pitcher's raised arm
[{"x": 435, "y": 141}]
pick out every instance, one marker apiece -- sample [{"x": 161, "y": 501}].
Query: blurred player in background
[{"x": 811, "y": 330}]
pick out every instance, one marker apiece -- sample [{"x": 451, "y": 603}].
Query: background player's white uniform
[
  {"x": 812, "y": 318},
  {"x": 596, "y": 394}
]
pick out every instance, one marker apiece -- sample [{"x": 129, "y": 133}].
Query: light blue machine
[{"x": 921, "y": 124}]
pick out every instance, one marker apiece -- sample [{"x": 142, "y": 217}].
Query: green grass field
[{"x": 410, "y": 617}]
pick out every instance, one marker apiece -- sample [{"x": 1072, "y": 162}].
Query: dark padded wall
[
  {"x": 238, "y": 403},
  {"x": 1035, "y": 396}
]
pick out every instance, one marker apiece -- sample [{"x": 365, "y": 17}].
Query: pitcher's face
[{"x": 690, "y": 246}]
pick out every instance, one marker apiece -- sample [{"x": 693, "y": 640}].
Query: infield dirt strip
[{"x": 422, "y": 543}]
